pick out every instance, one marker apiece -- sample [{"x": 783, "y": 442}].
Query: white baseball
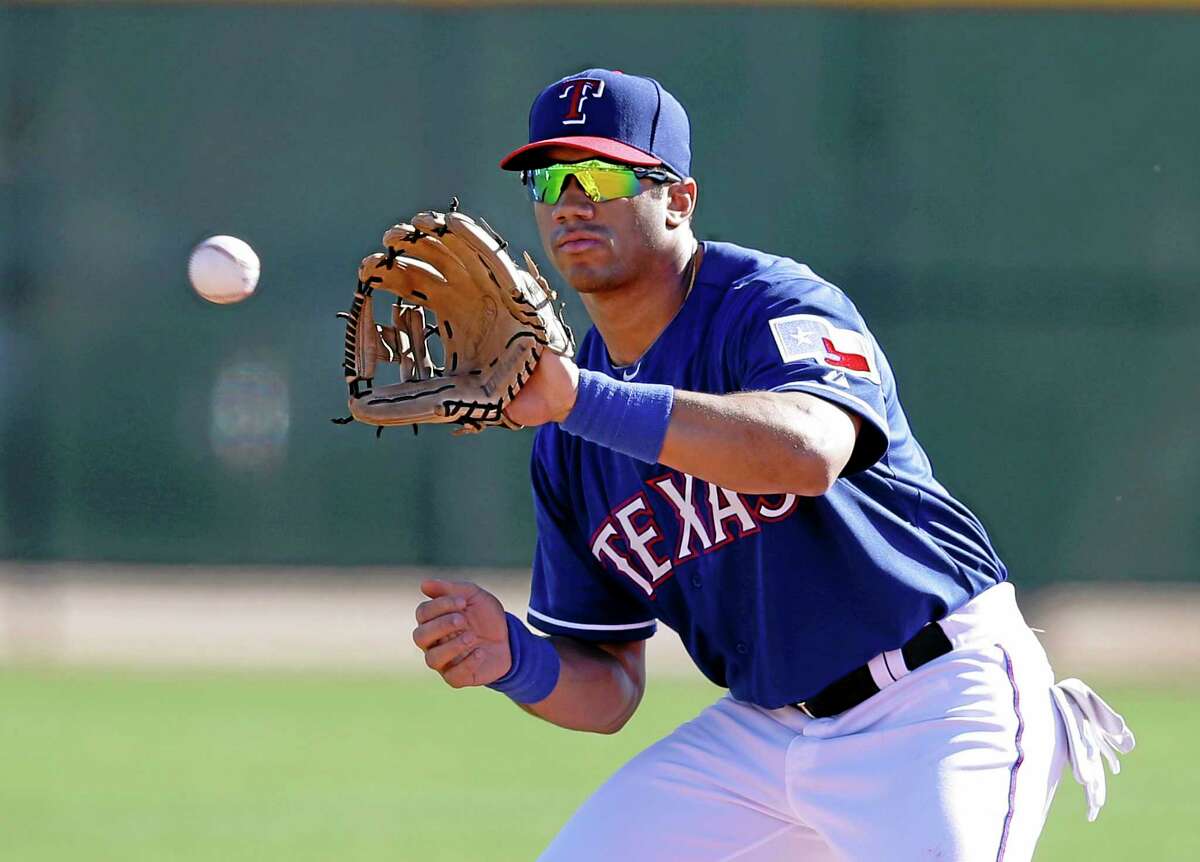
[{"x": 223, "y": 269}]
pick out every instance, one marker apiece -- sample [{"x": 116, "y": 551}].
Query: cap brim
[{"x": 530, "y": 155}]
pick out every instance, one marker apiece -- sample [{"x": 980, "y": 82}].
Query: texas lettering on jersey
[{"x": 632, "y": 541}]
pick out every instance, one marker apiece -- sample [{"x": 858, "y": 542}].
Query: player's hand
[
  {"x": 463, "y": 632},
  {"x": 549, "y": 394}
]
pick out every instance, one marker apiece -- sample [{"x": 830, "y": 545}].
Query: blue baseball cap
[{"x": 626, "y": 118}]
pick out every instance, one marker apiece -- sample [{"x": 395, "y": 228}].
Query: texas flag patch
[{"x": 806, "y": 336}]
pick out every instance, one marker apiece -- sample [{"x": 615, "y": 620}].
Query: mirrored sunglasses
[{"x": 600, "y": 180}]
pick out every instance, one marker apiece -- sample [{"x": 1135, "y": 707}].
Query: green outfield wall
[{"x": 1011, "y": 198}]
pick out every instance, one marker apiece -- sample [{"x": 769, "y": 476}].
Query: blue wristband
[
  {"x": 535, "y": 665},
  {"x": 630, "y": 418}
]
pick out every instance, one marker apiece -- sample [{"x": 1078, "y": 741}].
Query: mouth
[{"x": 573, "y": 242}]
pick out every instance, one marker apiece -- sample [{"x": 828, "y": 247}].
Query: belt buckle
[{"x": 803, "y": 707}]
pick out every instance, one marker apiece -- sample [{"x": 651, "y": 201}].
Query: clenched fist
[{"x": 463, "y": 632}]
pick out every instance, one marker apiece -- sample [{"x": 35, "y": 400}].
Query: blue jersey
[{"x": 774, "y": 595}]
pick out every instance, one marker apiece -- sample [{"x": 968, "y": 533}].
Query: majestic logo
[
  {"x": 707, "y": 517},
  {"x": 576, "y": 93},
  {"x": 806, "y": 336}
]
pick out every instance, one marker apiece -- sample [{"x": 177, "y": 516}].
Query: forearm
[
  {"x": 749, "y": 442},
  {"x": 597, "y": 691},
  {"x": 759, "y": 442}
]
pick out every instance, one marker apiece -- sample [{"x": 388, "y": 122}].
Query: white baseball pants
[{"x": 956, "y": 761}]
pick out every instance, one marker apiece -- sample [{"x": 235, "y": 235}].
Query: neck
[{"x": 632, "y": 316}]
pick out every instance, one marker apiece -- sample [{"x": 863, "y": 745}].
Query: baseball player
[{"x": 730, "y": 457}]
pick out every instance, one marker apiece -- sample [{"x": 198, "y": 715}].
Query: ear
[{"x": 681, "y": 202}]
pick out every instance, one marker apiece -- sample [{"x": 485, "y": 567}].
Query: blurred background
[{"x": 206, "y": 587}]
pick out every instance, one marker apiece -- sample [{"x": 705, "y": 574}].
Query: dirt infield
[
  {"x": 298, "y": 619},
  {"x": 293, "y": 618}
]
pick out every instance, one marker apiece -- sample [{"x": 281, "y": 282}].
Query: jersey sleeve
[
  {"x": 572, "y": 594},
  {"x": 806, "y": 336}
]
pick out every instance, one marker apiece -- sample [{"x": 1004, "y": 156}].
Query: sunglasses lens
[
  {"x": 545, "y": 185},
  {"x": 606, "y": 184},
  {"x": 599, "y": 180}
]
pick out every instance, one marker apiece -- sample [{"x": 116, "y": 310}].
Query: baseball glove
[{"x": 494, "y": 321}]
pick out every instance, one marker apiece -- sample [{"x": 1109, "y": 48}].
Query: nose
[{"x": 573, "y": 203}]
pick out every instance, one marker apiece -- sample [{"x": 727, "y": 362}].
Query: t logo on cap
[
  {"x": 578, "y": 91},
  {"x": 608, "y": 115}
]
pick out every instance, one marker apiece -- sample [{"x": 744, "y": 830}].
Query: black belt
[{"x": 858, "y": 685}]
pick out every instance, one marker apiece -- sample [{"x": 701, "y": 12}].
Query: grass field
[{"x": 137, "y": 766}]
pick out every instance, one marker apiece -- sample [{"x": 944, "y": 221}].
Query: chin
[{"x": 585, "y": 280}]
